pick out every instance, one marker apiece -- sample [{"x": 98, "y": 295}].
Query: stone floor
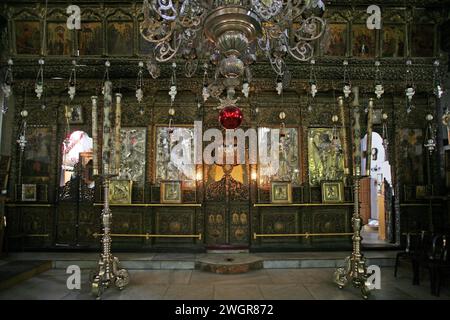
[{"x": 276, "y": 284}]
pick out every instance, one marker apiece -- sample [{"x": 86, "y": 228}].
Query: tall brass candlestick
[
  {"x": 344, "y": 134},
  {"x": 369, "y": 136},
  {"x": 94, "y": 136},
  {"x": 106, "y": 149},
  {"x": 354, "y": 269},
  {"x": 117, "y": 145}
]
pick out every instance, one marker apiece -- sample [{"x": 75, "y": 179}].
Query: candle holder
[
  {"x": 108, "y": 268},
  {"x": 355, "y": 270}
]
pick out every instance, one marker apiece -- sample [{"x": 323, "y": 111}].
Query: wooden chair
[
  {"x": 438, "y": 263},
  {"x": 417, "y": 245}
]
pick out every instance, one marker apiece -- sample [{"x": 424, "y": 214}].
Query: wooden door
[{"x": 364, "y": 196}]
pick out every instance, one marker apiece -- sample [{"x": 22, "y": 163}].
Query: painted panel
[
  {"x": 325, "y": 156},
  {"x": 28, "y": 37}
]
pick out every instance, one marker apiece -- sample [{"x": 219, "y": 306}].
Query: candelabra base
[
  {"x": 354, "y": 271},
  {"x": 108, "y": 268},
  {"x": 108, "y": 271}
]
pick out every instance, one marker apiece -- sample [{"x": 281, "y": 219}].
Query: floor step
[
  {"x": 229, "y": 263},
  {"x": 14, "y": 272},
  {"x": 217, "y": 263}
]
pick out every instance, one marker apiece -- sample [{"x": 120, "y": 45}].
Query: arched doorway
[
  {"x": 377, "y": 191},
  {"x": 76, "y": 191}
]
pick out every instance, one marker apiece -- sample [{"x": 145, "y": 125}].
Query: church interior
[{"x": 172, "y": 149}]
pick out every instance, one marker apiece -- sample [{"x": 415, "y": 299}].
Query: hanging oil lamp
[
  {"x": 39, "y": 85},
  {"x": 173, "y": 86},
  {"x": 347, "y": 89},
  {"x": 379, "y": 90},
  {"x": 72, "y": 82}
]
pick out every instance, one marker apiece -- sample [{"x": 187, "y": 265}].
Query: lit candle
[
  {"x": 94, "y": 136},
  {"x": 106, "y": 149},
  {"x": 117, "y": 146}
]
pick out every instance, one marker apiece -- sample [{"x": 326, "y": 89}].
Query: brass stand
[
  {"x": 108, "y": 268},
  {"x": 354, "y": 269}
]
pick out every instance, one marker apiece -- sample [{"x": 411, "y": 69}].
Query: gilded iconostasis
[{"x": 390, "y": 75}]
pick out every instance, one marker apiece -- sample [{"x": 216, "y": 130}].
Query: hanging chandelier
[{"x": 231, "y": 34}]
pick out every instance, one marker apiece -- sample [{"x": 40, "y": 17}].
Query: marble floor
[{"x": 268, "y": 284}]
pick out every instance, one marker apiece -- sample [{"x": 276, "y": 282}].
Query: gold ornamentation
[
  {"x": 28, "y": 192},
  {"x": 281, "y": 192},
  {"x": 120, "y": 191},
  {"x": 325, "y": 156},
  {"x": 171, "y": 192},
  {"x": 108, "y": 268},
  {"x": 354, "y": 269},
  {"x": 332, "y": 191}
]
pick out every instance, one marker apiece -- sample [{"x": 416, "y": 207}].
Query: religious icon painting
[
  {"x": 120, "y": 191},
  {"x": 37, "y": 154},
  {"x": 423, "y": 44},
  {"x": 90, "y": 38},
  {"x": 332, "y": 191},
  {"x": 325, "y": 156},
  {"x": 410, "y": 151},
  {"x": 28, "y": 192},
  {"x": 28, "y": 37},
  {"x": 165, "y": 142},
  {"x": 334, "y": 40},
  {"x": 76, "y": 114},
  {"x": 393, "y": 40},
  {"x": 132, "y": 160},
  {"x": 120, "y": 38},
  {"x": 421, "y": 192},
  {"x": 363, "y": 45},
  {"x": 170, "y": 192},
  {"x": 281, "y": 192},
  {"x": 289, "y": 157},
  {"x": 58, "y": 39}
]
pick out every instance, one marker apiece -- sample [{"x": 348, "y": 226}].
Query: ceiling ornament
[{"x": 230, "y": 34}]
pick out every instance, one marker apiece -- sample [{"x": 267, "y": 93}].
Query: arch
[{"x": 74, "y": 146}]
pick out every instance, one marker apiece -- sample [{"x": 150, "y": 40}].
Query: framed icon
[
  {"x": 421, "y": 192},
  {"x": 332, "y": 191},
  {"x": 281, "y": 192},
  {"x": 170, "y": 192},
  {"x": 120, "y": 191},
  {"x": 28, "y": 192},
  {"x": 76, "y": 114}
]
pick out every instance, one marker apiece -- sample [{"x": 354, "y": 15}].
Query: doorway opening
[
  {"x": 77, "y": 150},
  {"x": 376, "y": 195}
]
